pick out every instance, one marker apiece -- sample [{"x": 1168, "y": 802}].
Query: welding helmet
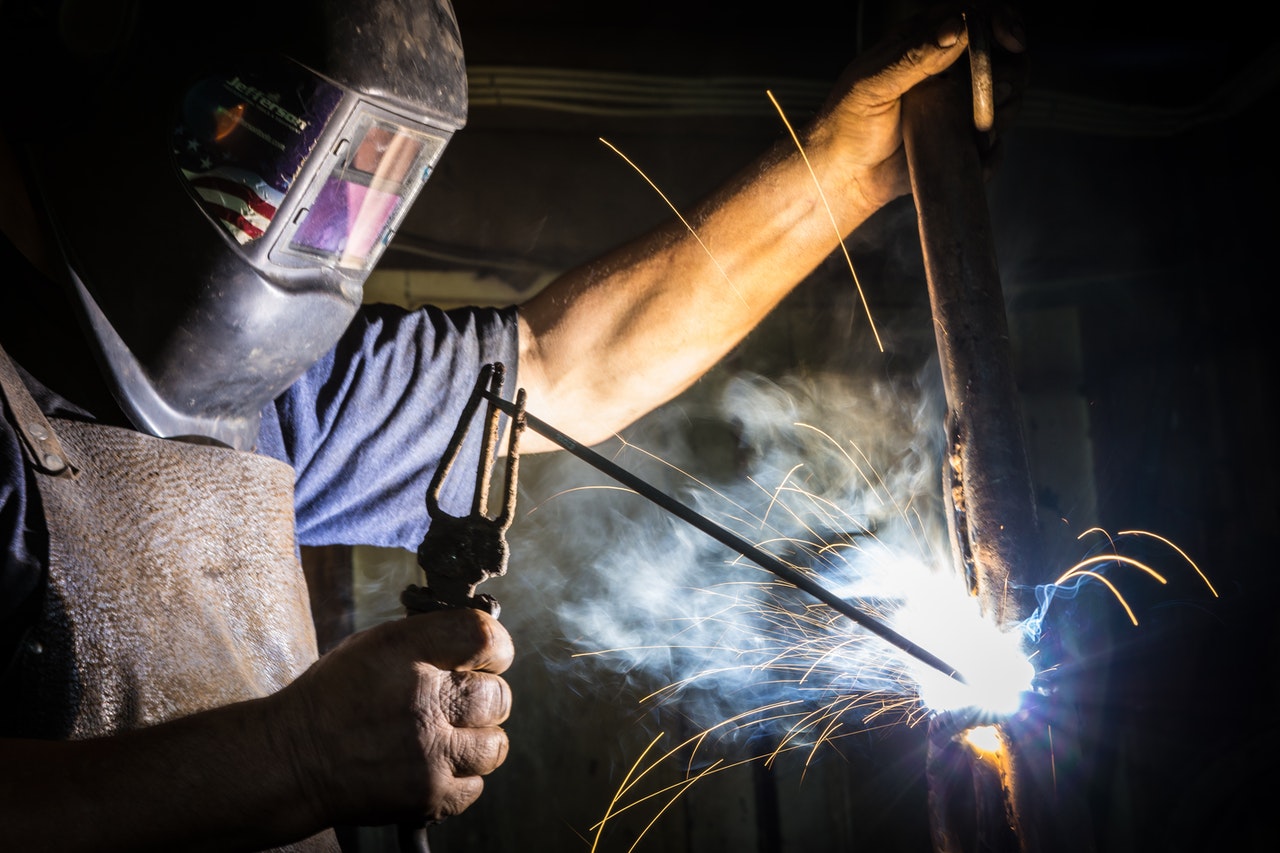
[{"x": 221, "y": 181}]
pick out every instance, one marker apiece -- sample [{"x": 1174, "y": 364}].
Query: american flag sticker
[{"x": 243, "y": 139}]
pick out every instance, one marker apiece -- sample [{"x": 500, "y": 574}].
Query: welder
[{"x": 193, "y": 389}]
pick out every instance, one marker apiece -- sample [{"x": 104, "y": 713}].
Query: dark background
[{"x": 1134, "y": 221}]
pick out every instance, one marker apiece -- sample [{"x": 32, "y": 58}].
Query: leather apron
[{"x": 173, "y": 581}]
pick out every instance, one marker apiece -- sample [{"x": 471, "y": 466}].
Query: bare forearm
[
  {"x": 611, "y": 340},
  {"x": 607, "y": 342},
  {"x": 214, "y": 781}
]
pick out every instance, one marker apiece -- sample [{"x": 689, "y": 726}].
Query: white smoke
[{"x": 837, "y": 475}]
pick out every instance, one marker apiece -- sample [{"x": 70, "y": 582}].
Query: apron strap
[{"x": 41, "y": 442}]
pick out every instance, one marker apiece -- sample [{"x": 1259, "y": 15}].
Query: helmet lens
[
  {"x": 249, "y": 147},
  {"x": 352, "y": 216}
]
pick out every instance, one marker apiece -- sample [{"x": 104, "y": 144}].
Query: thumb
[
  {"x": 459, "y": 639},
  {"x": 922, "y": 52}
]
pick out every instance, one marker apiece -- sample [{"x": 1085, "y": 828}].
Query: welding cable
[
  {"x": 620, "y": 94},
  {"x": 629, "y": 95}
]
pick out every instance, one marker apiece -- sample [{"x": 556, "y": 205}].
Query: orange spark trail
[
  {"x": 677, "y": 212},
  {"x": 831, "y": 216}
]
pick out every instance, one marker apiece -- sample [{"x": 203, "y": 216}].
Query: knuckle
[
  {"x": 478, "y": 753},
  {"x": 457, "y": 695},
  {"x": 474, "y": 699},
  {"x": 493, "y": 751},
  {"x": 459, "y": 797}
]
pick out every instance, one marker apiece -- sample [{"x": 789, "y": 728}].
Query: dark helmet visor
[{"x": 333, "y": 171}]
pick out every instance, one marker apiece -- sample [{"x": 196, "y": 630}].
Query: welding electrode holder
[{"x": 459, "y": 553}]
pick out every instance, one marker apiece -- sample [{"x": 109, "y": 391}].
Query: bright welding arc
[{"x": 726, "y": 537}]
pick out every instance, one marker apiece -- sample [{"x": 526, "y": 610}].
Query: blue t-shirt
[{"x": 364, "y": 430}]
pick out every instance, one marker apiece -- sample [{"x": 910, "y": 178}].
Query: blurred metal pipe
[
  {"x": 974, "y": 804},
  {"x": 996, "y": 534}
]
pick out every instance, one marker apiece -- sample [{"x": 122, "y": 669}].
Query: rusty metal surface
[
  {"x": 978, "y": 802},
  {"x": 995, "y": 510}
]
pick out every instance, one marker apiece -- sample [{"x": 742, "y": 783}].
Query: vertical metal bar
[
  {"x": 997, "y": 534},
  {"x": 974, "y": 804}
]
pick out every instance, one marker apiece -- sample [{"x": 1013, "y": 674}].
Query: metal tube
[
  {"x": 994, "y": 528},
  {"x": 990, "y": 486}
]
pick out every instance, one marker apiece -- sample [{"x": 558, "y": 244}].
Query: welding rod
[{"x": 727, "y": 537}]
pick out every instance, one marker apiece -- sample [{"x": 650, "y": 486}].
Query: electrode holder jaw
[{"x": 457, "y": 554}]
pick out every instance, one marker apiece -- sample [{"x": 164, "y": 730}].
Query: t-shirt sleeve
[{"x": 366, "y": 427}]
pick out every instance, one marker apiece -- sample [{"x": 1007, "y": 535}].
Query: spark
[
  {"x": 1181, "y": 553},
  {"x": 756, "y": 641},
  {"x": 1079, "y": 570},
  {"x": 839, "y": 237},
  {"x": 839, "y": 682},
  {"x": 880, "y": 489},
  {"x": 1098, "y": 576},
  {"x": 573, "y": 489},
  {"x": 1053, "y": 761},
  {"x": 688, "y": 476},
  {"x": 1082, "y": 568},
  {"x": 696, "y": 743},
  {"x": 679, "y": 215},
  {"x": 857, "y": 283}
]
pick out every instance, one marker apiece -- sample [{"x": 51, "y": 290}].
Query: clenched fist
[{"x": 401, "y": 721}]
